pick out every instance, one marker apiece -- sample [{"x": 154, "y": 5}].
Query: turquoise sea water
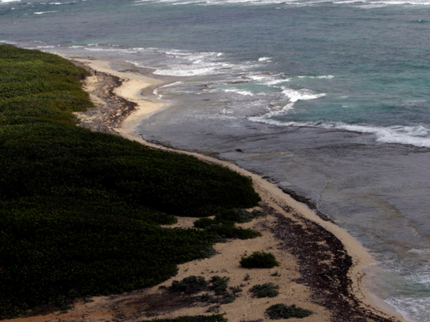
[{"x": 328, "y": 98}]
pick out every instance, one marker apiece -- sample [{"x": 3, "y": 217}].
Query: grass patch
[
  {"x": 259, "y": 260},
  {"x": 282, "y": 311},
  {"x": 80, "y": 211}
]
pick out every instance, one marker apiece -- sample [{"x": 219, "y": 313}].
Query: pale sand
[{"x": 133, "y": 306}]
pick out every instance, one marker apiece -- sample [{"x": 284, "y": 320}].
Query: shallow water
[{"x": 328, "y": 98}]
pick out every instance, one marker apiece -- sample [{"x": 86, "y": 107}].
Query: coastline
[
  {"x": 288, "y": 221},
  {"x": 145, "y": 108}
]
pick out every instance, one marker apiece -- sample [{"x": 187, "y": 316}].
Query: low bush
[
  {"x": 230, "y": 231},
  {"x": 189, "y": 285},
  {"x": 203, "y": 223},
  {"x": 238, "y": 215},
  {"x": 225, "y": 229},
  {"x": 282, "y": 311},
  {"x": 259, "y": 260},
  {"x": 219, "y": 285},
  {"x": 265, "y": 290}
]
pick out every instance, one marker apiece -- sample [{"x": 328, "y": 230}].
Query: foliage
[
  {"x": 219, "y": 285},
  {"x": 191, "y": 284},
  {"x": 197, "y": 318},
  {"x": 238, "y": 215},
  {"x": 259, "y": 260},
  {"x": 224, "y": 227},
  {"x": 281, "y": 311},
  {"x": 230, "y": 231},
  {"x": 265, "y": 290},
  {"x": 80, "y": 211},
  {"x": 204, "y": 222}
]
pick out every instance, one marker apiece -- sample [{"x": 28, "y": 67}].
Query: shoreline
[
  {"x": 145, "y": 108},
  {"x": 308, "y": 247}
]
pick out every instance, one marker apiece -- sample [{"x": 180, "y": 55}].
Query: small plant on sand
[
  {"x": 203, "y": 222},
  {"x": 189, "y": 285},
  {"x": 282, "y": 311},
  {"x": 265, "y": 290},
  {"x": 219, "y": 285},
  {"x": 259, "y": 260}
]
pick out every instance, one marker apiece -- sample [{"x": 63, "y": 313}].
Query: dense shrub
[
  {"x": 230, "y": 231},
  {"x": 219, "y": 285},
  {"x": 203, "y": 223},
  {"x": 80, "y": 211},
  {"x": 238, "y": 215},
  {"x": 281, "y": 311},
  {"x": 189, "y": 285},
  {"x": 225, "y": 228},
  {"x": 259, "y": 260},
  {"x": 265, "y": 290}
]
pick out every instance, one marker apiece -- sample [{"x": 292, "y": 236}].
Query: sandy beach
[{"x": 321, "y": 265}]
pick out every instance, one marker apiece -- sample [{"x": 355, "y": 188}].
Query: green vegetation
[
  {"x": 189, "y": 285},
  {"x": 80, "y": 211},
  {"x": 238, "y": 215},
  {"x": 218, "y": 285},
  {"x": 223, "y": 224},
  {"x": 259, "y": 260},
  {"x": 282, "y": 311},
  {"x": 197, "y": 318},
  {"x": 265, "y": 290}
]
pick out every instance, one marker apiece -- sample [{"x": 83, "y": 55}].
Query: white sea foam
[
  {"x": 8, "y": 42},
  {"x": 318, "y": 77},
  {"x": 43, "y": 12},
  {"x": 419, "y": 251},
  {"x": 407, "y": 135},
  {"x": 410, "y": 308},
  {"x": 300, "y": 95},
  {"x": 185, "y": 71},
  {"x": 214, "y": 2},
  {"x": 239, "y": 91},
  {"x": 367, "y": 4},
  {"x": 193, "y": 63},
  {"x": 6, "y": 1},
  {"x": 172, "y": 84},
  {"x": 265, "y": 59},
  {"x": 100, "y": 49},
  {"x": 269, "y": 80},
  {"x": 61, "y": 3}
]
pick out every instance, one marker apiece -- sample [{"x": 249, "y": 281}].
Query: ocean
[{"x": 330, "y": 99}]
